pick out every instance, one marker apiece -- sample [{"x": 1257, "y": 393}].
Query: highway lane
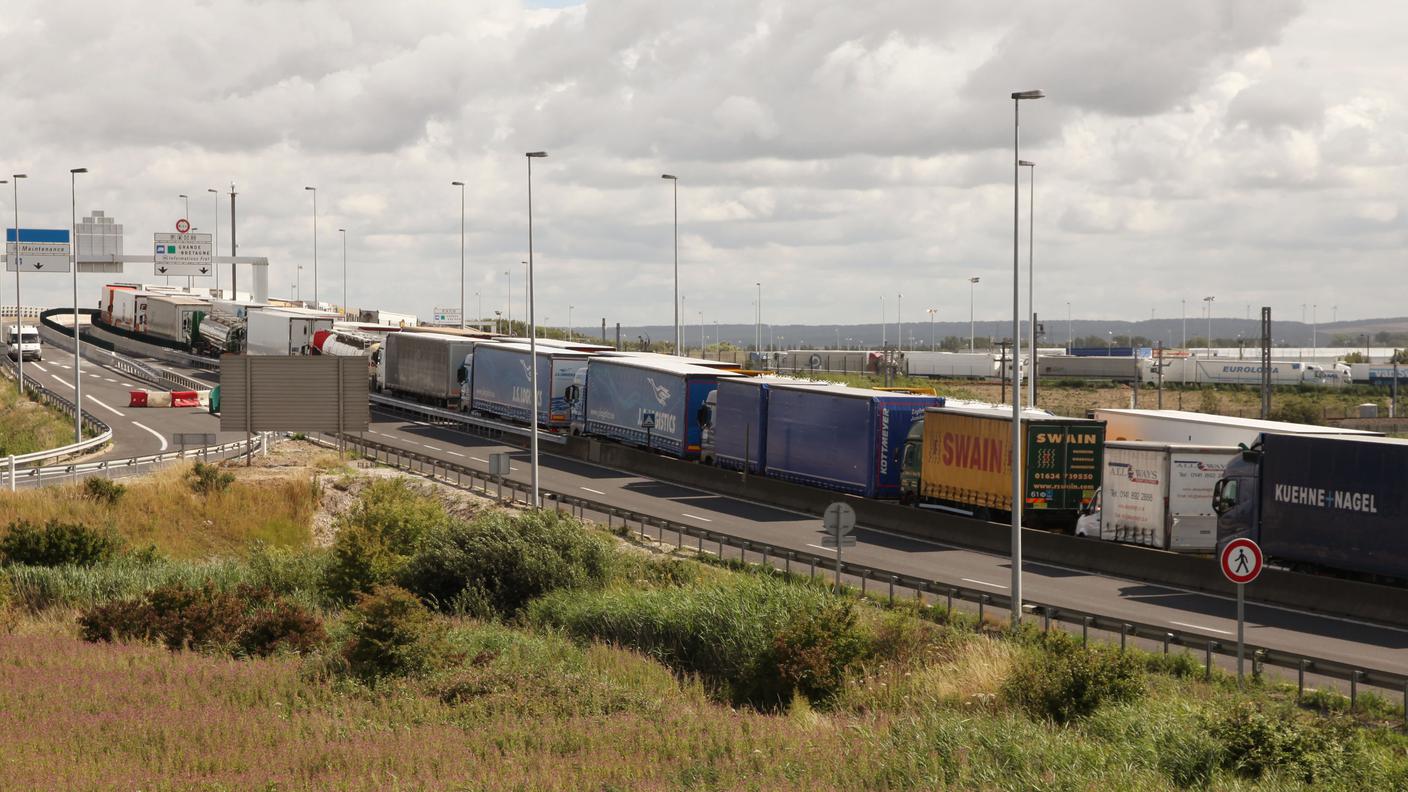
[
  {"x": 137, "y": 431},
  {"x": 1275, "y": 627}
]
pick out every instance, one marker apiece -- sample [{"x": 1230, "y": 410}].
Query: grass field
[
  {"x": 646, "y": 675},
  {"x": 26, "y": 427}
]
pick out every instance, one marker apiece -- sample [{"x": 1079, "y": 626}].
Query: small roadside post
[
  {"x": 838, "y": 523},
  {"x": 499, "y": 466},
  {"x": 1241, "y": 562},
  {"x": 647, "y": 422}
]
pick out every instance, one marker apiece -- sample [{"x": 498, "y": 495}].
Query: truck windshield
[{"x": 29, "y": 338}]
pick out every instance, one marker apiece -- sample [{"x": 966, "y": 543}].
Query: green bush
[
  {"x": 392, "y": 634},
  {"x": 500, "y": 561},
  {"x": 57, "y": 543},
  {"x": 375, "y": 542},
  {"x": 724, "y": 632},
  {"x": 814, "y": 650},
  {"x": 103, "y": 490},
  {"x": 209, "y": 479},
  {"x": 244, "y": 621},
  {"x": 1296, "y": 409},
  {"x": 1061, "y": 680},
  {"x": 9, "y": 609},
  {"x": 1255, "y": 743}
]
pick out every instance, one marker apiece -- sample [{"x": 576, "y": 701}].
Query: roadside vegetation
[
  {"x": 27, "y": 426},
  {"x": 434, "y": 647}
]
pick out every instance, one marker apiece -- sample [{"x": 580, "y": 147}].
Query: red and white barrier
[{"x": 182, "y": 398}]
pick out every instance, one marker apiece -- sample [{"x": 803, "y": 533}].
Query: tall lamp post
[
  {"x": 343, "y": 231},
  {"x": 460, "y": 185},
  {"x": 1209, "y": 300},
  {"x": 971, "y": 283},
  {"x": 314, "y": 190},
  {"x": 186, "y": 215},
  {"x": 1017, "y": 493},
  {"x": 77, "y": 340},
  {"x": 532, "y": 340},
  {"x": 675, "y": 188},
  {"x": 932, "y": 337},
  {"x": 899, "y": 322},
  {"x": 508, "y": 308},
  {"x": 757, "y": 318},
  {"x": 215, "y": 241},
  {"x": 1031, "y": 281},
  {"x": 19, "y": 359},
  {"x": 570, "y": 325}
]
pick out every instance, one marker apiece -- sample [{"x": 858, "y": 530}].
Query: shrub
[
  {"x": 208, "y": 479},
  {"x": 1254, "y": 743},
  {"x": 9, "y": 609},
  {"x": 814, "y": 650},
  {"x": 1063, "y": 681},
  {"x": 375, "y": 542},
  {"x": 392, "y": 635},
  {"x": 499, "y": 562},
  {"x": 57, "y": 543},
  {"x": 245, "y": 621},
  {"x": 103, "y": 490},
  {"x": 1296, "y": 409}
]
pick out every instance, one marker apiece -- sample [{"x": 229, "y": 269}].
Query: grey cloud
[{"x": 1277, "y": 104}]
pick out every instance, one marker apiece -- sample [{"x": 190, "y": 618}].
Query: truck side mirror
[
  {"x": 572, "y": 393},
  {"x": 461, "y": 375}
]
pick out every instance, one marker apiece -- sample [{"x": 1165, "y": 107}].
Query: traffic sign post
[
  {"x": 839, "y": 523},
  {"x": 647, "y": 422},
  {"x": 183, "y": 254},
  {"x": 447, "y": 316},
  {"x": 1241, "y": 562}
]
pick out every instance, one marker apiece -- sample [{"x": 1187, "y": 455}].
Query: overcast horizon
[{"x": 839, "y": 153}]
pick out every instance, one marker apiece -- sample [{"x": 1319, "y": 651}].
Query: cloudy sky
[{"x": 836, "y": 151}]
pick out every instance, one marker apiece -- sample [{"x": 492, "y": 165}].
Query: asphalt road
[{"x": 1339, "y": 639}]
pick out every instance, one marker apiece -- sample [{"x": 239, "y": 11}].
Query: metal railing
[
  {"x": 102, "y": 433},
  {"x": 111, "y": 466},
  {"x": 481, "y": 427},
  {"x": 787, "y": 558}
]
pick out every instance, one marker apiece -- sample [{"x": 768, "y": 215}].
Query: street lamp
[
  {"x": 570, "y": 327},
  {"x": 460, "y": 185},
  {"x": 479, "y": 313},
  {"x": 1070, "y": 334},
  {"x": 1031, "y": 279},
  {"x": 19, "y": 359},
  {"x": 971, "y": 283},
  {"x": 532, "y": 341},
  {"x": 77, "y": 340},
  {"x": 758, "y": 320},
  {"x": 508, "y": 309},
  {"x": 343, "y": 231},
  {"x": 314, "y": 190},
  {"x": 1183, "y": 312},
  {"x": 675, "y": 187},
  {"x": 215, "y": 241},
  {"x": 1017, "y": 494},
  {"x": 1209, "y": 300},
  {"x": 899, "y": 323}
]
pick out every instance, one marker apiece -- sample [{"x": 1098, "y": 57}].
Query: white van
[{"x": 23, "y": 340}]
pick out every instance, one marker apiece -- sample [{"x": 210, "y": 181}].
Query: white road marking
[
  {"x": 104, "y": 406},
  {"x": 154, "y": 432},
  {"x": 455, "y": 453},
  {"x": 109, "y": 379},
  {"x": 819, "y": 547},
  {"x": 433, "y": 448},
  {"x": 62, "y": 381},
  {"x": 695, "y": 517},
  {"x": 1200, "y": 627},
  {"x": 982, "y": 583},
  {"x": 41, "y": 368},
  {"x": 128, "y": 385},
  {"x": 589, "y": 489},
  {"x": 477, "y": 459}
]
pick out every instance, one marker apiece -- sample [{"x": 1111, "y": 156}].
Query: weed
[
  {"x": 105, "y": 491},
  {"x": 1062, "y": 681},
  {"x": 1255, "y": 742},
  {"x": 57, "y": 544},
  {"x": 393, "y": 635},
  {"x": 815, "y": 648},
  {"x": 206, "y": 479}
]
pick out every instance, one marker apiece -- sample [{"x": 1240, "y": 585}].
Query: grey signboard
[{"x": 263, "y": 393}]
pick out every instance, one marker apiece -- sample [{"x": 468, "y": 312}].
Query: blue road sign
[{"x": 38, "y": 235}]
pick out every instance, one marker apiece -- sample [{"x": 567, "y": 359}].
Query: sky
[{"x": 841, "y": 154}]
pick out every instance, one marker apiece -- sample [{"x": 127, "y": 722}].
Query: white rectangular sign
[
  {"x": 37, "y": 257},
  {"x": 183, "y": 254},
  {"x": 447, "y": 316}
]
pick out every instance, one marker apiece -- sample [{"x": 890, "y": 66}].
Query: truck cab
[
  {"x": 912, "y": 462},
  {"x": 1089, "y": 522},
  {"x": 22, "y": 341},
  {"x": 1236, "y": 498}
]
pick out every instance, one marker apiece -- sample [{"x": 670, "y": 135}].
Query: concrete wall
[{"x": 1368, "y": 601}]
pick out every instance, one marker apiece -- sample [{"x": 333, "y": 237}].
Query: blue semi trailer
[
  {"x": 737, "y": 436},
  {"x": 840, "y": 438},
  {"x": 656, "y": 402},
  {"x": 500, "y": 382}
]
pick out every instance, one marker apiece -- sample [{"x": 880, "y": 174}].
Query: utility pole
[{"x": 234, "y": 285}]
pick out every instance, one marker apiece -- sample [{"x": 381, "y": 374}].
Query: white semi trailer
[{"x": 1230, "y": 371}]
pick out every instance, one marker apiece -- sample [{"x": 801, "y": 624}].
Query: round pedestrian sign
[
  {"x": 183, "y": 225},
  {"x": 1241, "y": 560}
]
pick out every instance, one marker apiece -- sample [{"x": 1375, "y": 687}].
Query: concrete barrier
[{"x": 1330, "y": 595}]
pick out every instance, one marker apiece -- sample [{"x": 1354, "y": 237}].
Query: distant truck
[
  {"x": 22, "y": 342},
  {"x": 284, "y": 331},
  {"x": 1119, "y": 369},
  {"x": 1182, "y": 426},
  {"x": 736, "y": 438},
  {"x": 426, "y": 367},
  {"x": 657, "y": 403},
  {"x": 1228, "y": 371},
  {"x": 1158, "y": 495},
  {"x": 832, "y": 437},
  {"x": 500, "y": 383},
  {"x": 958, "y": 459},
  {"x": 972, "y": 365},
  {"x": 1321, "y": 503}
]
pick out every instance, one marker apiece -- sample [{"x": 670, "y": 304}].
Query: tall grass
[
  {"x": 162, "y": 510},
  {"x": 27, "y": 426}
]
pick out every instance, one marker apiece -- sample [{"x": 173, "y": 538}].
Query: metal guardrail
[
  {"x": 133, "y": 368},
  {"x": 102, "y": 433},
  {"x": 38, "y": 474},
  {"x": 456, "y": 474},
  {"x": 483, "y": 427}
]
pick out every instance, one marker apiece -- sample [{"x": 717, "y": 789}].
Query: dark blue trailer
[
  {"x": 1335, "y": 502},
  {"x": 740, "y": 420},
  {"x": 623, "y": 391},
  {"x": 840, "y": 438},
  {"x": 500, "y": 382}
]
